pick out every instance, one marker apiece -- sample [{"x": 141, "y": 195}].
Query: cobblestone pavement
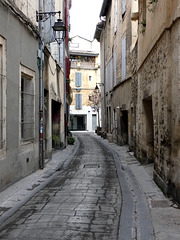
[{"x": 83, "y": 202}]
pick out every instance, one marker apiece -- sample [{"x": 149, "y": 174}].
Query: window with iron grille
[
  {"x": 27, "y": 108},
  {"x": 2, "y": 92},
  {"x": 78, "y": 101}
]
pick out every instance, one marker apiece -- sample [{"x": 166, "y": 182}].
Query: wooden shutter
[
  {"x": 107, "y": 78},
  {"x": 111, "y": 73},
  {"x": 123, "y": 74},
  {"x": 78, "y": 101},
  {"x": 115, "y": 16},
  {"x": 123, "y": 7},
  {"x": 115, "y": 67}
]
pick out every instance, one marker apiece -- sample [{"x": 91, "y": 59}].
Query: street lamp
[{"x": 58, "y": 26}]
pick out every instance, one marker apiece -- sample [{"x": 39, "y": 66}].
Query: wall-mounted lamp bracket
[{"x": 43, "y": 16}]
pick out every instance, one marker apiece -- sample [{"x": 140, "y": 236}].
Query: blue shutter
[
  {"x": 123, "y": 74},
  {"x": 78, "y": 101},
  {"x": 78, "y": 79}
]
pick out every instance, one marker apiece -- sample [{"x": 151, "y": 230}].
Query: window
[
  {"x": 106, "y": 79},
  {"x": 115, "y": 67},
  {"x": 115, "y": 16},
  {"x": 78, "y": 79},
  {"x": 123, "y": 58},
  {"x": 90, "y": 78},
  {"x": 111, "y": 76},
  {"x": 2, "y": 92},
  {"x": 123, "y": 7},
  {"x": 27, "y": 116},
  {"x": 78, "y": 101}
]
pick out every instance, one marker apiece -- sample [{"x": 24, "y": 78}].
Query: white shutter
[
  {"x": 123, "y": 74},
  {"x": 123, "y": 6},
  {"x": 61, "y": 51},
  {"x": 49, "y": 6},
  {"x": 115, "y": 16},
  {"x": 106, "y": 78},
  {"x": 111, "y": 72},
  {"x": 115, "y": 68}
]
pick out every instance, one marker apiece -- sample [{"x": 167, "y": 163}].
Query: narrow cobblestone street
[{"x": 83, "y": 202}]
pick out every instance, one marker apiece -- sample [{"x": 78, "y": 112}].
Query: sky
[{"x": 84, "y": 15}]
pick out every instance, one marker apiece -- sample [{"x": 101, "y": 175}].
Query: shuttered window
[
  {"x": 78, "y": 79},
  {"x": 123, "y": 7},
  {"x": 111, "y": 74},
  {"x": 124, "y": 58},
  {"x": 115, "y": 16},
  {"x": 49, "y": 6},
  {"x": 107, "y": 79},
  {"x": 115, "y": 67},
  {"x": 78, "y": 101}
]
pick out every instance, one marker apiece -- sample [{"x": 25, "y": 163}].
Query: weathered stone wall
[
  {"x": 174, "y": 166},
  {"x": 158, "y": 81},
  {"x": 134, "y": 96}
]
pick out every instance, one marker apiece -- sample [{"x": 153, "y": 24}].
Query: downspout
[
  {"x": 41, "y": 92},
  {"x": 105, "y": 122},
  {"x": 64, "y": 66}
]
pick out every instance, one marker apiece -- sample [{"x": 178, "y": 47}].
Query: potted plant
[
  {"x": 56, "y": 141},
  {"x": 70, "y": 139}
]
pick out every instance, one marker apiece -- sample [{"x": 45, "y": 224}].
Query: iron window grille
[{"x": 27, "y": 109}]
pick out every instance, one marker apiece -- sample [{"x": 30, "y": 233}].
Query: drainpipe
[
  {"x": 64, "y": 66},
  {"x": 41, "y": 92},
  {"x": 105, "y": 121}
]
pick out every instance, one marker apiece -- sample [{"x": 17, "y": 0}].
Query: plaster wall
[
  {"x": 54, "y": 84},
  {"x": 20, "y": 158}
]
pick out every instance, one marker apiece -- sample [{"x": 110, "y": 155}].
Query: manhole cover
[{"x": 91, "y": 166}]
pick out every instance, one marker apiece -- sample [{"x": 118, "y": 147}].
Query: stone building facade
[
  {"x": 158, "y": 112},
  {"x": 19, "y": 92},
  {"x": 142, "y": 83},
  {"x": 84, "y": 75},
  {"x": 20, "y": 56},
  {"x": 117, "y": 35}
]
